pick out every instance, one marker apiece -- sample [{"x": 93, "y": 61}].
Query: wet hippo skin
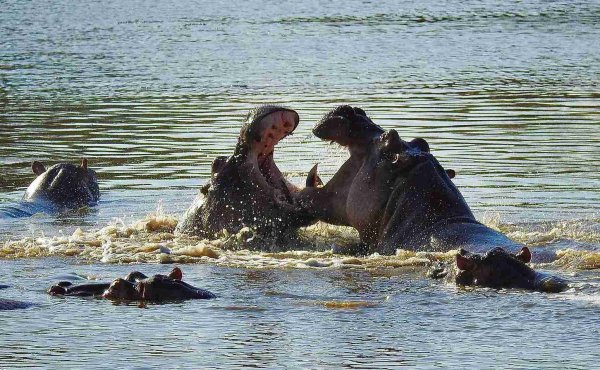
[
  {"x": 396, "y": 195},
  {"x": 61, "y": 187},
  {"x": 247, "y": 188},
  {"x": 136, "y": 287}
]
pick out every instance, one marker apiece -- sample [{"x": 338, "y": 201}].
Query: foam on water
[{"x": 152, "y": 240}]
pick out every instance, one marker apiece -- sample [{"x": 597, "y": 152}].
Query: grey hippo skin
[
  {"x": 396, "y": 194},
  {"x": 61, "y": 187},
  {"x": 9, "y": 304},
  {"x": 136, "y": 287},
  {"x": 247, "y": 188}
]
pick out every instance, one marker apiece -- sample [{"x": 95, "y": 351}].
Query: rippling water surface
[{"x": 507, "y": 94}]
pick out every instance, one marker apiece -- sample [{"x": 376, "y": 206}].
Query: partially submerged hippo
[
  {"x": 61, "y": 187},
  {"x": 247, "y": 189},
  {"x": 395, "y": 193},
  {"x": 499, "y": 269},
  {"x": 10, "y": 304},
  {"x": 136, "y": 287}
]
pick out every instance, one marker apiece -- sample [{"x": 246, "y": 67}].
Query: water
[{"x": 507, "y": 94}]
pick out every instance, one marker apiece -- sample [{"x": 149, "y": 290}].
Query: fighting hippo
[
  {"x": 136, "y": 287},
  {"x": 396, "y": 194},
  {"x": 61, "y": 187},
  {"x": 247, "y": 188}
]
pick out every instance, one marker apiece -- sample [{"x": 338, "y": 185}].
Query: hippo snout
[{"x": 549, "y": 283}]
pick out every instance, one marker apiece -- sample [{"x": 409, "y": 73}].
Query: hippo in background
[
  {"x": 10, "y": 304},
  {"x": 247, "y": 188},
  {"x": 136, "y": 287},
  {"x": 61, "y": 187},
  {"x": 397, "y": 195}
]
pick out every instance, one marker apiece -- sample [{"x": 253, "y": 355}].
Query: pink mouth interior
[{"x": 273, "y": 128}]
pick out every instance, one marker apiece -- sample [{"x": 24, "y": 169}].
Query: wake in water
[{"x": 152, "y": 240}]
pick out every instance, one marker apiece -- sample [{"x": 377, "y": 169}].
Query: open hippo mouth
[
  {"x": 265, "y": 127},
  {"x": 247, "y": 189}
]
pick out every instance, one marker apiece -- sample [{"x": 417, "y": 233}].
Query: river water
[{"x": 506, "y": 93}]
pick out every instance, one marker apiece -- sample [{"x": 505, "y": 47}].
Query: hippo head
[
  {"x": 156, "y": 288},
  {"x": 63, "y": 185},
  {"x": 500, "y": 269},
  {"x": 121, "y": 289}
]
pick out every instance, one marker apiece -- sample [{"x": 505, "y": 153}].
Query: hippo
[
  {"x": 397, "y": 195},
  {"x": 136, "y": 287},
  {"x": 9, "y": 304},
  {"x": 61, "y": 187},
  {"x": 247, "y": 189},
  {"x": 498, "y": 268}
]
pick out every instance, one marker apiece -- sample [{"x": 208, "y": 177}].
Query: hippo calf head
[
  {"x": 63, "y": 185},
  {"x": 500, "y": 269}
]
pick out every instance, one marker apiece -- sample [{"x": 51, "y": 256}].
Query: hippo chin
[
  {"x": 247, "y": 188},
  {"x": 136, "y": 287},
  {"x": 395, "y": 193},
  {"x": 61, "y": 187}
]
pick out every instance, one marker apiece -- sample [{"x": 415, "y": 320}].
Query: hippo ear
[
  {"x": 38, "y": 168},
  {"x": 463, "y": 262},
  {"x": 524, "y": 255},
  {"x": 313, "y": 180},
  {"x": 176, "y": 273},
  {"x": 420, "y": 143},
  {"x": 83, "y": 163},
  {"x": 451, "y": 173}
]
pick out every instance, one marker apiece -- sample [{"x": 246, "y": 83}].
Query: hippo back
[{"x": 64, "y": 186}]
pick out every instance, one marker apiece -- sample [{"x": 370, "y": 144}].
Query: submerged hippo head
[
  {"x": 156, "y": 289},
  {"x": 500, "y": 269},
  {"x": 247, "y": 188},
  {"x": 63, "y": 185}
]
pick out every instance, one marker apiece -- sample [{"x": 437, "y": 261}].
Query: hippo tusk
[{"x": 313, "y": 180}]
